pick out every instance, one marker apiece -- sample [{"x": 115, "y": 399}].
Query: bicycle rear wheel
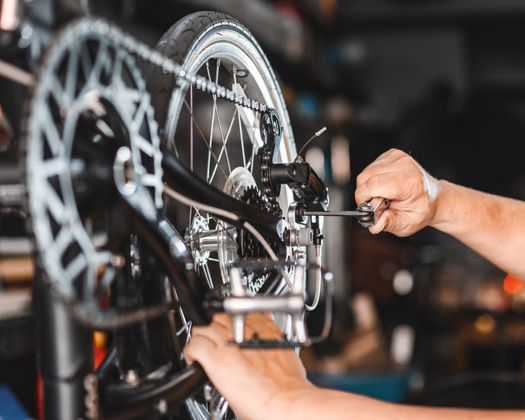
[{"x": 218, "y": 141}]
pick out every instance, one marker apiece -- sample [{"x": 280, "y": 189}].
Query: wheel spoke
[
  {"x": 191, "y": 144},
  {"x": 191, "y": 127},
  {"x": 203, "y": 138},
  {"x": 234, "y": 88},
  {"x": 187, "y": 324},
  {"x": 212, "y": 120},
  {"x": 216, "y": 112},
  {"x": 223, "y": 149},
  {"x": 207, "y": 275}
]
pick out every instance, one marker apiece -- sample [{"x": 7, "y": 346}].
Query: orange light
[
  {"x": 485, "y": 324},
  {"x": 512, "y": 285},
  {"x": 99, "y": 347}
]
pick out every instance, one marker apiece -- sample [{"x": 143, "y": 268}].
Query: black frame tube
[
  {"x": 127, "y": 402},
  {"x": 186, "y": 183},
  {"x": 65, "y": 356}
]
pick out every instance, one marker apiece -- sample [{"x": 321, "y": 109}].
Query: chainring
[{"x": 89, "y": 99}]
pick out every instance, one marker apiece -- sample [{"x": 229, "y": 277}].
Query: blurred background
[{"x": 419, "y": 320}]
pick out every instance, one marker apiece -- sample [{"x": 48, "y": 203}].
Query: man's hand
[
  {"x": 271, "y": 384},
  {"x": 259, "y": 384},
  {"x": 411, "y": 190}
]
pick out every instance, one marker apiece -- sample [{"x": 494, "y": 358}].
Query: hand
[
  {"x": 259, "y": 384},
  {"x": 411, "y": 190}
]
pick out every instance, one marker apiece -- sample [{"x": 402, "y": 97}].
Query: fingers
[
  {"x": 386, "y": 222},
  {"x": 199, "y": 349},
  {"x": 219, "y": 331},
  {"x": 382, "y": 163},
  {"x": 214, "y": 332},
  {"x": 393, "y": 164},
  {"x": 390, "y": 185},
  {"x": 223, "y": 320},
  {"x": 262, "y": 325},
  {"x": 209, "y": 344}
]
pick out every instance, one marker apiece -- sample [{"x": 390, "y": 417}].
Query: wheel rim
[
  {"x": 227, "y": 56},
  {"x": 239, "y": 51}
]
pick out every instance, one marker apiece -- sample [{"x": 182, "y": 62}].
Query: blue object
[
  {"x": 10, "y": 408},
  {"x": 386, "y": 386}
]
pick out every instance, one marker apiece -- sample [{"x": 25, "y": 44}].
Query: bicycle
[{"x": 145, "y": 234}]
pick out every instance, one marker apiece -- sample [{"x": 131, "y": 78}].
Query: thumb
[
  {"x": 199, "y": 349},
  {"x": 386, "y": 222}
]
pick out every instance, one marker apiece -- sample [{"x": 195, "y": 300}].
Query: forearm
[
  {"x": 317, "y": 403},
  {"x": 491, "y": 225}
]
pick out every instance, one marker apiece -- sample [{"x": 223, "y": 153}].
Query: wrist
[
  {"x": 444, "y": 206},
  {"x": 295, "y": 401}
]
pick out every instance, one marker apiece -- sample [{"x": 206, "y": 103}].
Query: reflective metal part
[
  {"x": 131, "y": 377},
  {"x": 123, "y": 172},
  {"x": 292, "y": 303},
  {"x": 363, "y": 211},
  {"x": 86, "y": 77},
  {"x": 196, "y": 410},
  {"x": 374, "y": 208},
  {"x": 239, "y": 180},
  {"x": 301, "y": 237},
  {"x": 16, "y": 74},
  {"x": 162, "y": 407},
  {"x": 12, "y": 195},
  {"x": 367, "y": 213},
  {"x": 6, "y": 131},
  {"x": 202, "y": 240},
  {"x": 208, "y": 241},
  {"x": 221, "y": 408}
]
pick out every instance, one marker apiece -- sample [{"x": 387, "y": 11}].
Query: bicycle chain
[
  {"x": 201, "y": 83},
  {"x": 155, "y": 58},
  {"x": 266, "y": 156},
  {"x": 86, "y": 28},
  {"x": 166, "y": 64}
]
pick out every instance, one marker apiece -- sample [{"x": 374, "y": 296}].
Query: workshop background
[{"x": 422, "y": 319}]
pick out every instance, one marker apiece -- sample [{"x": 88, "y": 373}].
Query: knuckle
[
  {"x": 395, "y": 152},
  {"x": 190, "y": 352},
  {"x": 369, "y": 183}
]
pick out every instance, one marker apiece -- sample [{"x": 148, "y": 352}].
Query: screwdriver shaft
[{"x": 341, "y": 213}]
